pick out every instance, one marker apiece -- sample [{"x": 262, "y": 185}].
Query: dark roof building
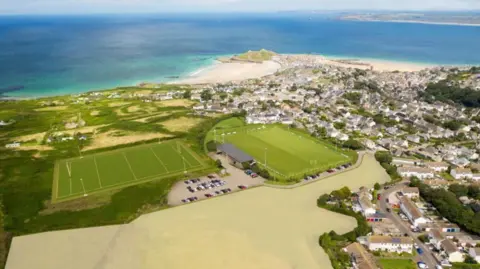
[{"x": 234, "y": 153}]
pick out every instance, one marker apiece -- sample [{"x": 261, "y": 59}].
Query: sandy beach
[
  {"x": 225, "y": 72},
  {"x": 261, "y": 228}
]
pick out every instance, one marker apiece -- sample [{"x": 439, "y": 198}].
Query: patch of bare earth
[
  {"x": 117, "y": 104},
  {"x": 87, "y": 129},
  {"x": 181, "y": 124},
  {"x": 38, "y": 137},
  {"x": 83, "y": 203},
  {"x": 133, "y": 109},
  {"x": 176, "y": 102},
  {"x": 143, "y": 92},
  {"x": 111, "y": 138},
  {"x": 51, "y": 108}
]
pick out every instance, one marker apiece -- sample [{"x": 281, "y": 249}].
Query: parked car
[
  {"x": 208, "y": 195},
  {"x": 389, "y": 210},
  {"x": 242, "y": 187},
  {"x": 420, "y": 251},
  {"x": 422, "y": 265},
  {"x": 248, "y": 171},
  {"x": 330, "y": 171},
  {"x": 253, "y": 175}
]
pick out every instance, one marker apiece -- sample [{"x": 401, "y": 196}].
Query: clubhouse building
[{"x": 234, "y": 155}]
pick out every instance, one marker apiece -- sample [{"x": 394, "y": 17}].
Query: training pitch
[
  {"x": 287, "y": 153},
  {"x": 115, "y": 169}
]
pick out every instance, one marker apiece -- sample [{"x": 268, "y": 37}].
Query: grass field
[
  {"x": 89, "y": 174},
  {"x": 288, "y": 153},
  {"x": 397, "y": 264}
]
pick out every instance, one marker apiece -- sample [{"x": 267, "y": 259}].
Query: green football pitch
[
  {"x": 109, "y": 170},
  {"x": 287, "y": 153}
]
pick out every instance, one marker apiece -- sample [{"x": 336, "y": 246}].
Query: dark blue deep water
[{"x": 60, "y": 55}]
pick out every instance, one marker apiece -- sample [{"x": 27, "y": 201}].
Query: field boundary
[
  {"x": 246, "y": 129},
  {"x": 55, "y": 198}
]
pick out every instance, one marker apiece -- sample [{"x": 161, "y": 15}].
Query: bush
[
  {"x": 211, "y": 146},
  {"x": 218, "y": 163}
]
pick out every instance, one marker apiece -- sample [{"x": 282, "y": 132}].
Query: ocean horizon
[{"x": 58, "y": 55}]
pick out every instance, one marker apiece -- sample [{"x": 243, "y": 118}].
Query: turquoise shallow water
[{"x": 60, "y": 55}]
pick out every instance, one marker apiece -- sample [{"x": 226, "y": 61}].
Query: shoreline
[
  {"x": 416, "y": 22},
  {"x": 219, "y": 72}
]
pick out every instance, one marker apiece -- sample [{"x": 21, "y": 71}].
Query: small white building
[
  {"x": 460, "y": 173},
  {"x": 435, "y": 237},
  {"x": 365, "y": 203},
  {"x": 412, "y": 212},
  {"x": 475, "y": 253},
  {"x": 390, "y": 244},
  {"x": 437, "y": 166},
  {"x": 411, "y": 192},
  {"x": 12, "y": 145},
  {"x": 413, "y": 171},
  {"x": 454, "y": 255},
  {"x": 404, "y": 161}
]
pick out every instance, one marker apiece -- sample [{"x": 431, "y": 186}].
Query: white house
[
  {"x": 435, "y": 237},
  {"x": 461, "y": 173},
  {"x": 412, "y": 171},
  {"x": 411, "y": 192},
  {"x": 365, "y": 203},
  {"x": 390, "y": 244},
  {"x": 12, "y": 145},
  {"x": 403, "y": 161},
  {"x": 412, "y": 212},
  {"x": 475, "y": 253},
  {"x": 454, "y": 255},
  {"x": 437, "y": 166}
]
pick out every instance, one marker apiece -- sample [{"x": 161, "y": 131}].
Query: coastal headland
[{"x": 256, "y": 64}]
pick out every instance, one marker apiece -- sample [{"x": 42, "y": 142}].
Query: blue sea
[{"x": 52, "y": 55}]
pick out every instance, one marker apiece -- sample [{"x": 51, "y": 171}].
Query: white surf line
[
  {"x": 164, "y": 166},
  {"x": 129, "y": 166},
  {"x": 98, "y": 173}
]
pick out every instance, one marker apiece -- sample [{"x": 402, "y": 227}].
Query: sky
[{"x": 149, "y": 6}]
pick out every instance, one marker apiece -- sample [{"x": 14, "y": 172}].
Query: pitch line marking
[
  {"x": 129, "y": 166},
  {"x": 164, "y": 166},
  {"x": 181, "y": 155},
  {"x": 96, "y": 169}
]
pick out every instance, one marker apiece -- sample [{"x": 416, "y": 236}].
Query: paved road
[{"x": 427, "y": 256}]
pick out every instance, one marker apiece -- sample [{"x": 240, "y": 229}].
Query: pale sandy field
[
  {"x": 108, "y": 139},
  {"x": 225, "y": 72},
  {"x": 51, "y": 108},
  {"x": 261, "y": 228},
  {"x": 181, "y": 124}
]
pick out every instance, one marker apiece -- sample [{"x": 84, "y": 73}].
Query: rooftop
[
  {"x": 411, "y": 207},
  {"x": 383, "y": 239},
  {"x": 234, "y": 153}
]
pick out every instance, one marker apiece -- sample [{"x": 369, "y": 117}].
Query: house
[
  {"x": 449, "y": 247},
  {"x": 475, "y": 253},
  {"x": 437, "y": 183},
  {"x": 365, "y": 203},
  {"x": 460, "y": 173},
  {"x": 444, "y": 227},
  {"x": 414, "y": 138},
  {"x": 435, "y": 237},
  {"x": 404, "y": 161},
  {"x": 412, "y": 171},
  {"x": 390, "y": 244},
  {"x": 360, "y": 257},
  {"x": 437, "y": 166},
  {"x": 376, "y": 217},
  {"x": 412, "y": 212},
  {"x": 411, "y": 192},
  {"x": 476, "y": 177},
  {"x": 12, "y": 145}
]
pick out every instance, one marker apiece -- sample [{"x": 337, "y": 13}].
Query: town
[{"x": 423, "y": 143}]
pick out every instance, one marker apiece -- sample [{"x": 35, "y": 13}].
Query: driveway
[
  {"x": 235, "y": 178},
  {"x": 427, "y": 256}
]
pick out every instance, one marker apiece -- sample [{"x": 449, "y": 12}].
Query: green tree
[
  {"x": 218, "y": 163},
  {"x": 458, "y": 189},
  {"x": 206, "y": 95},
  {"x": 187, "y": 94},
  {"x": 339, "y": 125},
  {"x": 353, "y": 144},
  {"x": 470, "y": 260},
  {"x": 377, "y": 186},
  {"x": 383, "y": 157},
  {"x": 452, "y": 125}
]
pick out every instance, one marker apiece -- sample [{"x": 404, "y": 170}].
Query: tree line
[{"x": 448, "y": 92}]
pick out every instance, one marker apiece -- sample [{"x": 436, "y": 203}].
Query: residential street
[{"x": 427, "y": 256}]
